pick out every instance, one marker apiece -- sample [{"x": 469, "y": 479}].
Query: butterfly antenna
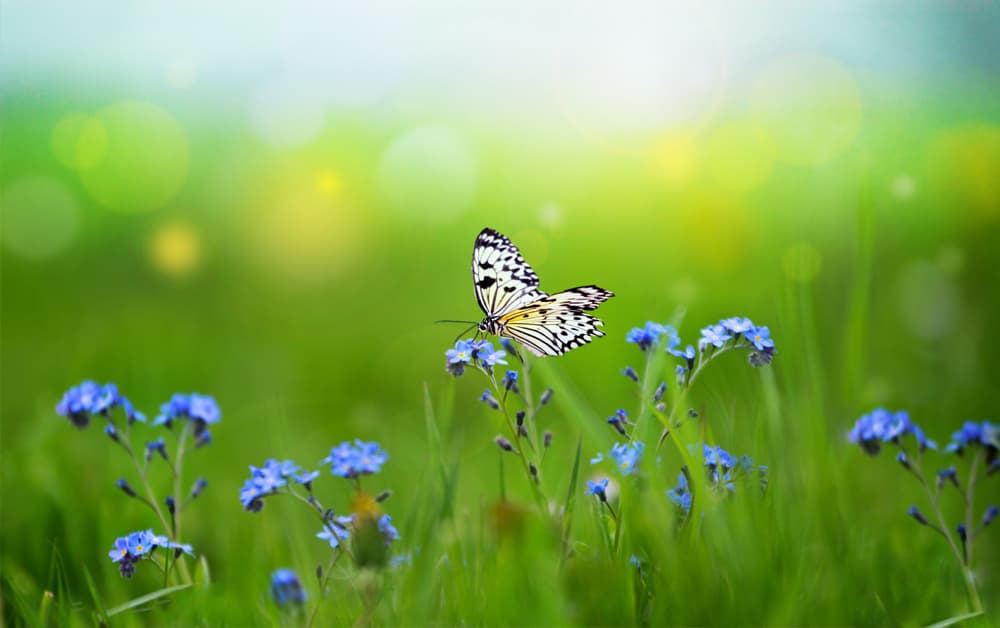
[
  {"x": 465, "y": 331},
  {"x": 448, "y": 320}
]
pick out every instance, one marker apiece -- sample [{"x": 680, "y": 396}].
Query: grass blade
[
  {"x": 98, "y": 605},
  {"x": 149, "y": 597},
  {"x": 570, "y": 502},
  {"x": 955, "y": 620}
]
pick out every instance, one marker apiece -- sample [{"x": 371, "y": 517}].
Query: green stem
[
  {"x": 322, "y": 587},
  {"x": 178, "y": 505},
  {"x": 970, "y": 587},
  {"x": 536, "y": 489}
]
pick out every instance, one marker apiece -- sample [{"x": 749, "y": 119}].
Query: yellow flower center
[
  {"x": 625, "y": 465},
  {"x": 124, "y": 551},
  {"x": 138, "y": 548},
  {"x": 757, "y": 338}
]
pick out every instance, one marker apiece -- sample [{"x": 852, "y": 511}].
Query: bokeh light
[
  {"x": 739, "y": 155},
  {"x": 965, "y": 164},
  {"x": 40, "y": 217},
  {"x": 715, "y": 230},
  {"x": 428, "y": 173},
  {"x": 307, "y": 236},
  {"x": 175, "y": 249},
  {"x": 132, "y": 156},
  {"x": 810, "y": 107}
]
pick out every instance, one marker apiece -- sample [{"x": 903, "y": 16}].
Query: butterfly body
[{"x": 507, "y": 291}]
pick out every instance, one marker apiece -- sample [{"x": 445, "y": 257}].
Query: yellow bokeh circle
[
  {"x": 175, "y": 249},
  {"x": 132, "y": 156}
]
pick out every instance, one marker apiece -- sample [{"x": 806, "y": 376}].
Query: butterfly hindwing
[
  {"x": 556, "y": 323},
  {"x": 503, "y": 281}
]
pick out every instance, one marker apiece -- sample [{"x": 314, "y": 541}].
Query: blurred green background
[{"x": 272, "y": 205}]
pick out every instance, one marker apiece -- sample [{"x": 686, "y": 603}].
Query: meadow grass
[{"x": 298, "y": 367}]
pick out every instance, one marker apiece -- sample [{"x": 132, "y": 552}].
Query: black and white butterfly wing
[
  {"x": 503, "y": 281},
  {"x": 555, "y": 323}
]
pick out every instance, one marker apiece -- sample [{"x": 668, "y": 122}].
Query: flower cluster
[
  {"x": 478, "y": 353},
  {"x": 881, "y": 426},
  {"x": 872, "y": 430},
  {"x": 350, "y": 461},
  {"x": 286, "y": 588},
  {"x": 335, "y": 529},
  {"x": 268, "y": 479},
  {"x": 985, "y": 435},
  {"x": 722, "y": 469},
  {"x": 648, "y": 336},
  {"x": 200, "y": 409},
  {"x": 80, "y": 403},
  {"x": 627, "y": 456},
  {"x": 129, "y": 550}
]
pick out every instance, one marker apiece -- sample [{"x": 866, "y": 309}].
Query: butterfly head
[{"x": 489, "y": 325}]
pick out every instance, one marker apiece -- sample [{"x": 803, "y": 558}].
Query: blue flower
[
  {"x": 120, "y": 550},
  {"x": 81, "y": 402},
  {"x": 972, "y": 434},
  {"x": 286, "y": 588},
  {"x": 714, "y": 335},
  {"x": 598, "y": 458},
  {"x": 645, "y": 337},
  {"x": 306, "y": 479},
  {"x": 627, "y": 456},
  {"x": 387, "y": 529},
  {"x": 598, "y": 488},
  {"x": 760, "y": 338},
  {"x": 882, "y": 426},
  {"x": 680, "y": 495},
  {"x": 335, "y": 531},
  {"x": 487, "y": 357},
  {"x": 990, "y": 514},
  {"x": 738, "y": 325},
  {"x": 459, "y": 356},
  {"x": 140, "y": 543},
  {"x": 267, "y": 480},
  {"x": 350, "y": 461},
  {"x": 630, "y": 373},
  {"x": 203, "y": 408}
]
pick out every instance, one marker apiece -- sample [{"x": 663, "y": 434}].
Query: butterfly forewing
[
  {"x": 557, "y": 323},
  {"x": 503, "y": 281}
]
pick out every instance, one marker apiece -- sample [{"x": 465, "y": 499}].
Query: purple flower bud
[
  {"x": 519, "y": 418},
  {"x": 503, "y": 443},
  {"x": 546, "y": 396},
  {"x": 534, "y": 471},
  {"x": 112, "y": 433},
  {"x": 488, "y": 399},
  {"x": 990, "y": 514},
  {"x": 961, "y": 532},
  {"x": 171, "y": 506},
  {"x": 915, "y": 513},
  {"x": 198, "y": 487},
  {"x": 949, "y": 474},
  {"x": 547, "y": 439},
  {"x": 630, "y": 373},
  {"x": 902, "y": 459},
  {"x": 616, "y": 423},
  {"x": 125, "y": 487},
  {"x": 384, "y": 495},
  {"x": 660, "y": 390}
]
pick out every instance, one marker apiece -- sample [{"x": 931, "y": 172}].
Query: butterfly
[{"x": 507, "y": 292}]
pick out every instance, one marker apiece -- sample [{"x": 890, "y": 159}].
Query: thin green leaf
[
  {"x": 955, "y": 620},
  {"x": 145, "y": 599},
  {"x": 203, "y": 576},
  {"x": 570, "y": 502},
  {"x": 98, "y": 605}
]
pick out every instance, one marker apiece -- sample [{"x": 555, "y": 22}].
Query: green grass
[{"x": 301, "y": 360}]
